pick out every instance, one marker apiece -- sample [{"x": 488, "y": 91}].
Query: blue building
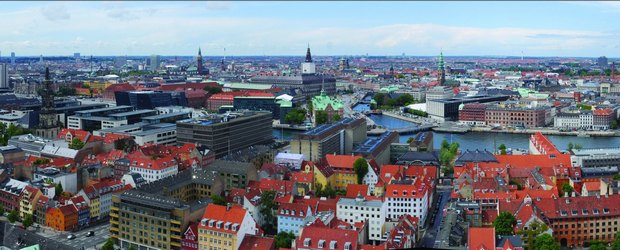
[
  {"x": 150, "y": 99},
  {"x": 292, "y": 216}
]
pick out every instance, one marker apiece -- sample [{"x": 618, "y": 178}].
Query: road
[
  {"x": 428, "y": 239},
  {"x": 102, "y": 233}
]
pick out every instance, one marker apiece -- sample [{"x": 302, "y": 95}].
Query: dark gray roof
[
  {"x": 514, "y": 240},
  {"x": 476, "y": 156},
  {"x": 230, "y": 167},
  {"x": 427, "y": 157}
]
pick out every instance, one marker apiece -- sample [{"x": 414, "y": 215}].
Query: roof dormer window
[{"x": 306, "y": 242}]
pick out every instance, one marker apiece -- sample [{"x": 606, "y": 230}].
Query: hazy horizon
[{"x": 532, "y": 29}]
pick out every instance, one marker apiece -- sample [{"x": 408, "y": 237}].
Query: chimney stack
[{"x": 228, "y": 205}]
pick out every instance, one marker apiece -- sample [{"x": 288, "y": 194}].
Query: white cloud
[
  {"x": 55, "y": 12},
  {"x": 218, "y": 5}
]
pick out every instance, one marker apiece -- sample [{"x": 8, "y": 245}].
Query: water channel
[{"x": 477, "y": 140}]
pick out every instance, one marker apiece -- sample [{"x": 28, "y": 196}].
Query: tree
[
  {"x": 534, "y": 229},
  {"x": 13, "y": 216},
  {"x": 1, "y": 210},
  {"x": 213, "y": 90},
  {"x": 570, "y": 146},
  {"x": 614, "y": 124},
  {"x": 545, "y": 242},
  {"x": 267, "y": 208},
  {"x": 616, "y": 244},
  {"x": 76, "y": 143},
  {"x": 504, "y": 223},
  {"x": 597, "y": 245},
  {"x": 131, "y": 248},
  {"x": 567, "y": 189},
  {"x": 336, "y": 117},
  {"x": 27, "y": 220},
  {"x": 578, "y": 146},
  {"x": 502, "y": 149},
  {"x": 218, "y": 200},
  {"x": 360, "y": 166},
  {"x": 284, "y": 240},
  {"x": 617, "y": 177},
  {"x": 410, "y": 140},
  {"x": 295, "y": 116},
  {"x": 321, "y": 117},
  {"x": 58, "y": 189},
  {"x": 108, "y": 245},
  {"x": 379, "y": 98}
]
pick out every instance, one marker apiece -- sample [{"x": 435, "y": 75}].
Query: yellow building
[
  {"x": 28, "y": 201},
  {"x": 95, "y": 207},
  {"x": 342, "y": 166},
  {"x": 322, "y": 173},
  {"x": 224, "y": 227}
]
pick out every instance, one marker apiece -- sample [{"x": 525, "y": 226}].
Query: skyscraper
[
  {"x": 4, "y": 76},
  {"x": 154, "y": 63},
  {"x": 441, "y": 75},
  {"x": 199, "y": 62},
  {"x": 49, "y": 126},
  {"x": 602, "y": 62},
  {"x": 12, "y": 58}
]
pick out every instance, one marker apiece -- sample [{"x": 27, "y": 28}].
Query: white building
[
  {"x": 439, "y": 92},
  {"x": 67, "y": 180},
  {"x": 371, "y": 178},
  {"x": 409, "y": 199},
  {"x": 360, "y": 209},
  {"x": 574, "y": 120},
  {"x": 152, "y": 170},
  {"x": 292, "y": 161}
]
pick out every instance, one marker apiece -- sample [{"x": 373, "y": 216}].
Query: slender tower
[
  {"x": 49, "y": 126},
  {"x": 199, "y": 62},
  {"x": 441, "y": 76}
]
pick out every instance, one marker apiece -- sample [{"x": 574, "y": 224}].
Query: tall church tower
[
  {"x": 441, "y": 76},
  {"x": 49, "y": 126},
  {"x": 199, "y": 62},
  {"x": 308, "y": 67}
]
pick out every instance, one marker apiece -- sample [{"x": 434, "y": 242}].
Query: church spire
[
  {"x": 441, "y": 66},
  {"x": 442, "y": 71},
  {"x": 199, "y": 52},
  {"x": 308, "y": 55}
]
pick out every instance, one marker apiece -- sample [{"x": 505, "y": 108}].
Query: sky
[{"x": 239, "y": 28}]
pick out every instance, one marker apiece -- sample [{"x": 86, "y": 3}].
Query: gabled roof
[
  {"x": 253, "y": 242},
  {"x": 216, "y": 213},
  {"x": 353, "y": 190},
  {"x": 481, "y": 238},
  {"x": 341, "y": 161}
]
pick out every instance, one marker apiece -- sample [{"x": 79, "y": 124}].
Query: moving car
[
  {"x": 90, "y": 233},
  {"x": 71, "y": 237}
]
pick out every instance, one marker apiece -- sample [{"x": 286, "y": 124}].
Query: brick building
[{"x": 472, "y": 113}]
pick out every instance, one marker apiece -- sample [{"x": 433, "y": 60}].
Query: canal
[{"x": 478, "y": 140}]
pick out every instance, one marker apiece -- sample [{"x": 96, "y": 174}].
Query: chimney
[
  {"x": 228, "y": 205},
  {"x": 573, "y": 194},
  {"x": 567, "y": 200}
]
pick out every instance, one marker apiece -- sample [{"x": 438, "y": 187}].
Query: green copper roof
[
  {"x": 441, "y": 60},
  {"x": 240, "y": 85},
  {"x": 389, "y": 89},
  {"x": 321, "y": 101},
  {"x": 284, "y": 103}
]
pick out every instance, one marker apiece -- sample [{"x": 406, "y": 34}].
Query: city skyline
[{"x": 531, "y": 29}]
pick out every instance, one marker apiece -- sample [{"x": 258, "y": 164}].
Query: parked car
[
  {"x": 71, "y": 237},
  {"x": 90, "y": 233}
]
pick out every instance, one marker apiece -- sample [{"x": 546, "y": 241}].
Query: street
[
  {"x": 102, "y": 233},
  {"x": 428, "y": 239}
]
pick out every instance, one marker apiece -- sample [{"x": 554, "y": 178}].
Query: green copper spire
[{"x": 441, "y": 60}]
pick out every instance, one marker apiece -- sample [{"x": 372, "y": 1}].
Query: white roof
[
  {"x": 299, "y": 157},
  {"x": 285, "y": 97},
  {"x": 58, "y": 151},
  {"x": 418, "y": 106}
]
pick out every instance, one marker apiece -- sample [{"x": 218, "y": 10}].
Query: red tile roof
[
  {"x": 252, "y": 242},
  {"x": 298, "y": 210},
  {"x": 405, "y": 191},
  {"x": 543, "y": 144},
  {"x": 314, "y": 234},
  {"x": 353, "y": 190},
  {"x": 592, "y": 185},
  {"x": 217, "y": 213},
  {"x": 302, "y": 177},
  {"x": 479, "y": 238},
  {"x": 341, "y": 161}
]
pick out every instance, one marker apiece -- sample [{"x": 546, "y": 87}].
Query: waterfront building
[
  {"x": 227, "y": 133},
  {"x": 154, "y": 215},
  {"x": 472, "y": 114},
  {"x": 263, "y": 102},
  {"x": 331, "y": 106},
  {"x": 224, "y": 227},
  {"x": 111, "y": 117},
  {"x": 448, "y": 109},
  {"x": 334, "y": 138},
  {"x": 359, "y": 210},
  {"x": 595, "y": 157},
  {"x": 506, "y": 115}
]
